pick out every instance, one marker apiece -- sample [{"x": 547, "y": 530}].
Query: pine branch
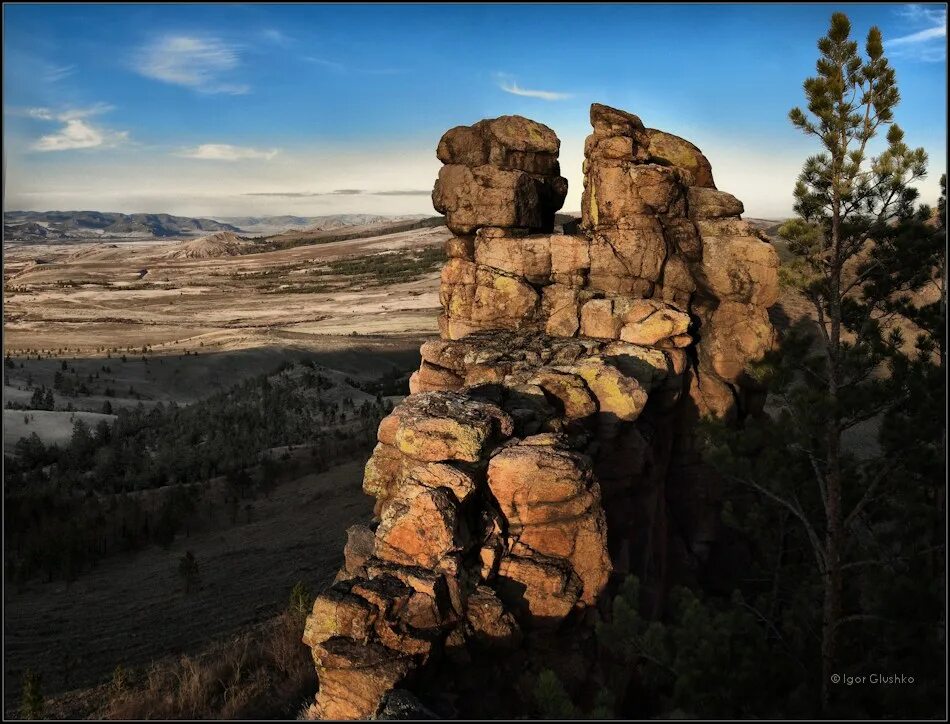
[
  {"x": 797, "y": 511},
  {"x": 770, "y": 625},
  {"x": 848, "y": 422},
  {"x": 889, "y": 559},
  {"x": 885, "y": 469},
  {"x": 861, "y": 617}
]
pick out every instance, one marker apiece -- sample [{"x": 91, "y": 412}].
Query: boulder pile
[{"x": 545, "y": 450}]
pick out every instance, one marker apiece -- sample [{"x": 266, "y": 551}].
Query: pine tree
[
  {"x": 861, "y": 252},
  {"x": 552, "y": 700}
]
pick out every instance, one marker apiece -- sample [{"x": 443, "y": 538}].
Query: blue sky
[{"x": 269, "y": 109}]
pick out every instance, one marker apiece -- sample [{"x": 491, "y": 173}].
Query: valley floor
[{"x": 111, "y": 297}]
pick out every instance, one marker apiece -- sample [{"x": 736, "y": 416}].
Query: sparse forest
[{"x": 145, "y": 477}]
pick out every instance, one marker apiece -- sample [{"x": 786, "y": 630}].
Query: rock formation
[{"x": 546, "y": 448}]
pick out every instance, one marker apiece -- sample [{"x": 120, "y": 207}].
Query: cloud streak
[
  {"x": 927, "y": 44},
  {"x": 56, "y": 73},
  {"x": 276, "y": 36},
  {"x": 76, "y": 132},
  {"x": 920, "y": 36},
  {"x": 71, "y": 114},
  {"x": 331, "y": 64},
  {"x": 510, "y": 86},
  {"x": 226, "y": 152},
  {"x": 202, "y": 64},
  {"x": 343, "y": 68}
]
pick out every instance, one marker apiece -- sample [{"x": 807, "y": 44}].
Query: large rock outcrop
[{"x": 546, "y": 448}]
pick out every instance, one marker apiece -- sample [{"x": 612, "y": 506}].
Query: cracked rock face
[{"x": 547, "y": 447}]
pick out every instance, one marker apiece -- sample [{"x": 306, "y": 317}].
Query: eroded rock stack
[{"x": 536, "y": 459}]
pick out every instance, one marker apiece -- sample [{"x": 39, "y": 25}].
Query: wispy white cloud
[
  {"x": 76, "y": 131},
  {"x": 56, "y": 73},
  {"x": 917, "y": 13},
  {"x": 381, "y": 71},
  {"x": 79, "y": 134},
  {"x": 331, "y": 64},
  {"x": 507, "y": 84},
  {"x": 227, "y": 152},
  {"x": 276, "y": 36},
  {"x": 343, "y": 68},
  {"x": 921, "y": 36},
  {"x": 927, "y": 44},
  {"x": 69, "y": 114},
  {"x": 201, "y": 63}
]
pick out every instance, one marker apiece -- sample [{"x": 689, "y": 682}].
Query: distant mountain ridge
[{"x": 40, "y": 225}]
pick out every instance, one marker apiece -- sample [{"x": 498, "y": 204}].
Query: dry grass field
[{"x": 89, "y": 298}]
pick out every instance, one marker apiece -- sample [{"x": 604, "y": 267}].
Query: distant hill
[
  {"x": 277, "y": 224},
  {"x": 317, "y": 235},
  {"x": 222, "y": 243},
  {"x": 50, "y": 225},
  {"x": 33, "y": 230},
  {"x": 769, "y": 226}
]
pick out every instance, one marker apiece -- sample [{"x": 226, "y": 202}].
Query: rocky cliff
[{"x": 546, "y": 450}]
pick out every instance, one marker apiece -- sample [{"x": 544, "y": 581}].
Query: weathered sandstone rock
[
  {"x": 739, "y": 269},
  {"x": 739, "y": 334},
  {"x": 672, "y": 150},
  {"x": 360, "y": 546},
  {"x": 490, "y": 625},
  {"x": 560, "y": 307},
  {"x": 639, "y": 321},
  {"x": 614, "y": 122},
  {"x": 520, "y": 255},
  {"x": 438, "y": 426},
  {"x": 708, "y": 203},
  {"x": 548, "y": 446},
  {"x": 488, "y": 196},
  {"x": 618, "y": 255},
  {"x": 552, "y": 507},
  {"x": 338, "y": 612},
  {"x": 570, "y": 390},
  {"x": 430, "y": 378},
  {"x": 508, "y": 142},
  {"x": 354, "y": 677},
  {"x": 460, "y": 247},
  {"x": 618, "y": 397},
  {"x": 543, "y": 591},
  {"x": 501, "y": 172},
  {"x": 419, "y": 527},
  {"x": 620, "y": 196},
  {"x": 483, "y": 298}
]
